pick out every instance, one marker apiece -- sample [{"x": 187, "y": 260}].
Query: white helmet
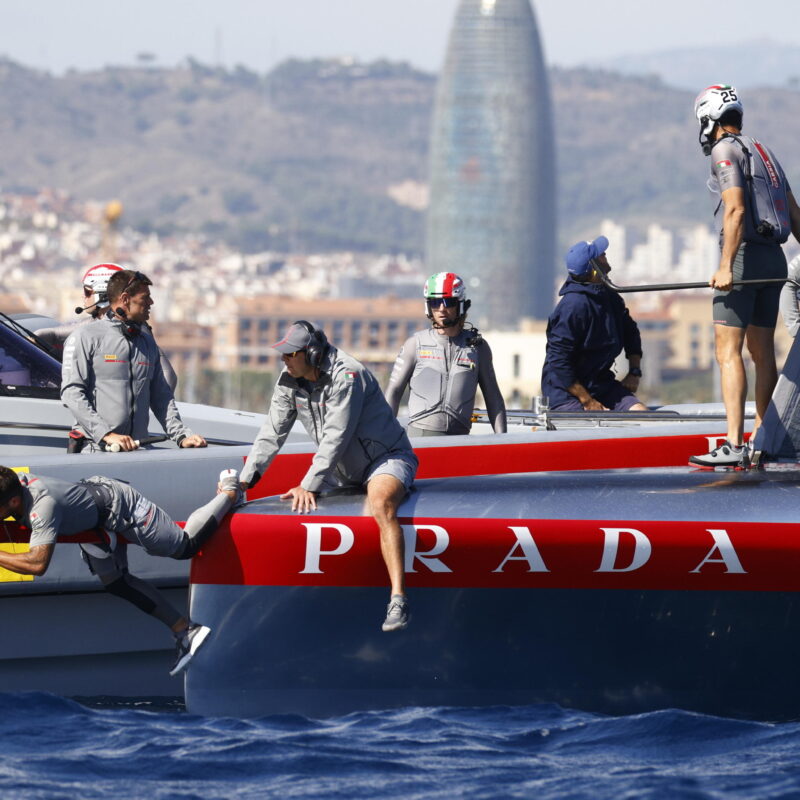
[
  {"x": 449, "y": 287},
  {"x": 710, "y": 105},
  {"x": 96, "y": 279}
]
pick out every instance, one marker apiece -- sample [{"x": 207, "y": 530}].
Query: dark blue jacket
[{"x": 587, "y": 330}]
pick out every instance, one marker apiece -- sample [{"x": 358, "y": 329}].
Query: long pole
[{"x": 668, "y": 287}]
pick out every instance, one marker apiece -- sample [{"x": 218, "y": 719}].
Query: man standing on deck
[
  {"x": 111, "y": 375},
  {"x": 586, "y": 332},
  {"x": 51, "y": 508},
  {"x": 95, "y": 305},
  {"x": 360, "y": 443},
  {"x": 755, "y": 211},
  {"x": 443, "y": 365}
]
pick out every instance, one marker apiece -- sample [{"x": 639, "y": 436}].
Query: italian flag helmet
[{"x": 446, "y": 286}]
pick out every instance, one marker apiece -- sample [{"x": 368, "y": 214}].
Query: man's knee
[
  {"x": 761, "y": 345},
  {"x": 384, "y": 493},
  {"x": 728, "y": 345}
]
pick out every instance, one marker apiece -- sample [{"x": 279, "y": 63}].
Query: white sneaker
[
  {"x": 229, "y": 482},
  {"x": 724, "y": 455},
  {"x": 397, "y": 614},
  {"x": 187, "y": 646}
]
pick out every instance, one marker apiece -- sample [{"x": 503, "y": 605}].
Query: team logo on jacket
[{"x": 110, "y": 358}]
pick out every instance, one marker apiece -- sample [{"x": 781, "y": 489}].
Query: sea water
[{"x": 58, "y": 748}]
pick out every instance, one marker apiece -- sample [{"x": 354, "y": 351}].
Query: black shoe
[{"x": 191, "y": 641}]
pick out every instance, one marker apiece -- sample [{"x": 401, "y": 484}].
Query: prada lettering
[
  {"x": 730, "y": 555},
  {"x": 618, "y": 550}
]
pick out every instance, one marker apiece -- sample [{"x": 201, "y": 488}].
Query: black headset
[
  {"x": 129, "y": 328},
  {"x": 317, "y": 347}
]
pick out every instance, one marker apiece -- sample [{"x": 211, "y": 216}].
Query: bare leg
[
  {"x": 384, "y": 494},
  {"x": 761, "y": 345},
  {"x": 729, "y": 343}
]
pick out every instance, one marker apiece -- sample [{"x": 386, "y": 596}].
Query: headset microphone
[{"x": 81, "y": 309}]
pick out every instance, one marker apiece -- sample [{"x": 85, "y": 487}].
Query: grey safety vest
[{"x": 444, "y": 382}]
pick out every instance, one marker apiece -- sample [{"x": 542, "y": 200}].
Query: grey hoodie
[
  {"x": 346, "y": 415},
  {"x": 110, "y": 381}
]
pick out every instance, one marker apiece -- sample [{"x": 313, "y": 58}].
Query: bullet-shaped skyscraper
[{"x": 492, "y": 214}]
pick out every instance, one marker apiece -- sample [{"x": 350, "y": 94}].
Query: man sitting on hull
[
  {"x": 586, "y": 332},
  {"x": 52, "y": 508},
  {"x": 360, "y": 443}
]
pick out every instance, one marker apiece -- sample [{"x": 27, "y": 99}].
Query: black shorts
[{"x": 754, "y": 304}]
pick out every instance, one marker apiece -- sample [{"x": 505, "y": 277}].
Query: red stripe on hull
[
  {"x": 288, "y": 470},
  {"x": 291, "y": 550}
]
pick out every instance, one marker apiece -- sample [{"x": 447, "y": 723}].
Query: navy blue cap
[{"x": 581, "y": 254}]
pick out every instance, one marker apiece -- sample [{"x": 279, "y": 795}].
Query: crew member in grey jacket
[
  {"x": 95, "y": 305},
  {"x": 111, "y": 373},
  {"x": 443, "y": 365},
  {"x": 52, "y": 509},
  {"x": 359, "y": 441}
]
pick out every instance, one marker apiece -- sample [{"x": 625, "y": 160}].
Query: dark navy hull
[
  {"x": 320, "y": 652},
  {"x": 87, "y": 644},
  {"x": 701, "y": 614}
]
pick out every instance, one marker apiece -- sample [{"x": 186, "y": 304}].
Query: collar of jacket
[{"x": 572, "y": 286}]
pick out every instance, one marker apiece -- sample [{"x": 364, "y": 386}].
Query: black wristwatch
[{"x": 635, "y": 371}]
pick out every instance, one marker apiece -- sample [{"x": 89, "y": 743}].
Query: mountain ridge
[{"x": 304, "y": 157}]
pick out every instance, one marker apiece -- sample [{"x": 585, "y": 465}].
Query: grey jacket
[
  {"x": 444, "y": 373},
  {"x": 346, "y": 415},
  {"x": 110, "y": 381},
  {"x": 57, "y": 336},
  {"x": 790, "y": 310}
]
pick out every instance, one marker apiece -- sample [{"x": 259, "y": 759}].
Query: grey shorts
[
  {"x": 754, "y": 304},
  {"x": 401, "y": 465},
  {"x": 133, "y": 519}
]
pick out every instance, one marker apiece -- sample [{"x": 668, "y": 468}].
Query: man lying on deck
[{"x": 52, "y": 508}]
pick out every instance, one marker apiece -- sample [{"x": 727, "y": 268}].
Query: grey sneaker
[
  {"x": 229, "y": 482},
  {"x": 191, "y": 641},
  {"x": 397, "y": 615},
  {"x": 724, "y": 455}
]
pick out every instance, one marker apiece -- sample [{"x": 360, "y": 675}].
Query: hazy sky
[{"x": 88, "y": 34}]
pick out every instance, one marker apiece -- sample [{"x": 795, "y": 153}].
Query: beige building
[
  {"x": 518, "y": 357},
  {"x": 371, "y": 330},
  {"x": 680, "y": 334}
]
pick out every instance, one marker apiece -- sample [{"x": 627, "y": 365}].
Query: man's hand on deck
[
  {"x": 302, "y": 500},
  {"x": 195, "y": 440}
]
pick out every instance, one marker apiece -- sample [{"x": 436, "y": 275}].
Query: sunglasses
[
  {"x": 137, "y": 276},
  {"x": 296, "y": 353},
  {"x": 447, "y": 302}
]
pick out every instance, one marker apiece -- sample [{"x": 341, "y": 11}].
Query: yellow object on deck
[{"x": 6, "y": 575}]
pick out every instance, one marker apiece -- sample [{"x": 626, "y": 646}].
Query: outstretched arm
[{"x": 34, "y": 562}]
